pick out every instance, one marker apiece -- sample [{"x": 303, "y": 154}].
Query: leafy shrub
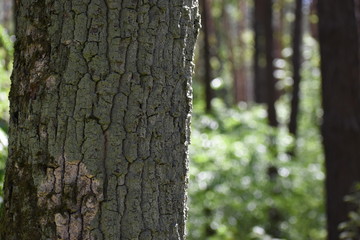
[
  {"x": 350, "y": 230},
  {"x": 243, "y": 180}
]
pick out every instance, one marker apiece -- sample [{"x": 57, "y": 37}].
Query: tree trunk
[
  {"x": 279, "y": 27},
  {"x": 340, "y": 67},
  {"x": 7, "y": 15},
  {"x": 296, "y": 63},
  {"x": 260, "y": 88},
  {"x": 206, "y": 28},
  {"x": 313, "y": 21},
  {"x": 270, "y": 80},
  {"x": 241, "y": 85},
  {"x": 100, "y": 103},
  {"x": 232, "y": 38}
]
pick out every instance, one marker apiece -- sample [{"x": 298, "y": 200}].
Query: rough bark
[
  {"x": 296, "y": 64},
  {"x": 340, "y": 67},
  {"x": 100, "y": 107}
]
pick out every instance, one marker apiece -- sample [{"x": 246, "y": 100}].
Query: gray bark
[{"x": 100, "y": 109}]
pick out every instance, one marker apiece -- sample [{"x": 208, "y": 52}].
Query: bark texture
[
  {"x": 100, "y": 109},
  {"x": 340, "y": 67}
]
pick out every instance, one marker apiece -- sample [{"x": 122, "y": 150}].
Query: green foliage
[
  {"x": 6, "y": 53},
  {"x": 350, "y": 230},
  {"x": 244, "y": 183},
  {"x": 5, "y": 42}
]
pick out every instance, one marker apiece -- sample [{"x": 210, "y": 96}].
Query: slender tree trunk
[
  {"x": 260, "y": 86},
  {"x": 100, "y": 103},
  {"x": 270, "y": 80},
  {"x": 279, "y": 28},
  {"x": 206, "y": 27},
  {"x": 340, "y": 67},
  {"x": 241, "y": 85},
  {"x": 236, "y": 64},
  {"x": 7, "y": 14},
  {"x": 313, "y": 24},
  {"x": 296, "y": 62}
]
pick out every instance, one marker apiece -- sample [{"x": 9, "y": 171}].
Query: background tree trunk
[
  {"x": 100, "y": 103},
  {"x": 296, "y": 64},
  {"x": 233, "y": 30},
  {"x": 260, "y": 86},
  {"x": 269, "y": 53},
  {"x": 242, "y": 86},
  {"x": 207, "y": 28},
  {"x": 340, "y": 62},
  {"x": 279, "y": 9},
  {"x": 7, "y": 14},
  {"x": 313, "y": 19}
]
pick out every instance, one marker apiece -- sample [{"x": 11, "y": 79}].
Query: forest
[{"x": 275, "y": 136}]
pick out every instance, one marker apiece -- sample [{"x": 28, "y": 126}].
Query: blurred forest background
[
  {"x": 256, "y": 168},
  {"x": 256, "y": 158}
]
